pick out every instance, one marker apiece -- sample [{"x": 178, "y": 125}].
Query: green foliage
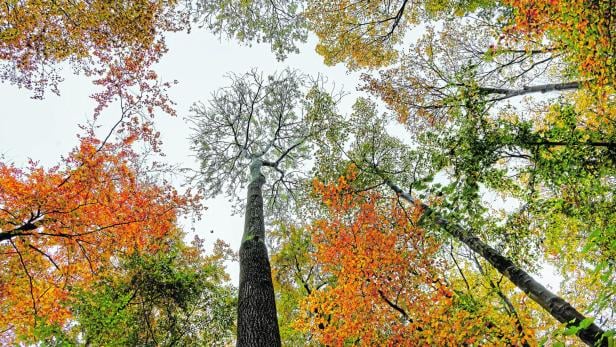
[
  {"x": 295, "y": 276},
  {"x": 278, "y": 23},
  {"x": 49, "y": 335},
  {"x": 174, "y": 297}
]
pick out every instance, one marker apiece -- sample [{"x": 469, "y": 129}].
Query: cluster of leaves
[
  {"x": 175, "y": 296},
  {"x": 116, "y": 43},
  {"x": 368, "y": 258},
  {"x": 369, "y": 33},
  {"x": 64, "y": 226},
  {"x": 267, "y": 119},
  {"x": 276, "y": 22},
  {"x": 582, "y": 29}
]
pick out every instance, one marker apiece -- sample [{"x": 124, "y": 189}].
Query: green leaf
[
  {"x": 571, "y": 331},
  {"x": 586, "y": 323}
]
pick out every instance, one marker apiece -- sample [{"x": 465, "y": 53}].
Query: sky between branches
[{"x": 44, "y": 130}]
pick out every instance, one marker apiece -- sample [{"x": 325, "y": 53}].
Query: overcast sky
[{"x": 45, "y": 130}]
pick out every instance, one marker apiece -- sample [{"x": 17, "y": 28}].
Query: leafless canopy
[{"x": 259, "y": 120}]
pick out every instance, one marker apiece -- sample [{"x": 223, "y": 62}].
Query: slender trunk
[
  {"x": 555, "y": 305},
  {"x": 544, "y": 88},
  {"x": 257, "y": 323}
]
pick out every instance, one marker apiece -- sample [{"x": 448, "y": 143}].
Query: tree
[
  {"x": 368, "y": 34},
  {"x": 175, "y": 296},
  {"x": 457, "y": 90},
  {"x": 384, "y": 160},
  {"x": 279, "y": 23},
  {"x": 296, "y": 275},
  {"x": 381, "y": 265},
  {"x": 583, "y": 30},
  {"x": 461, "y": 82},
  {"x": 256, "y": 123},
  {"x": 64, "y": 226},
  {"x": 116, "y": 43}
]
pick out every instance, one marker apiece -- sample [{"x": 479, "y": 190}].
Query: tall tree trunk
[
  {"x": 257, "y": 323},
  {"x": 555, "y": 305}
]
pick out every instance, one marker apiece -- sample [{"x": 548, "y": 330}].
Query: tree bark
[
  {"x": 257, "y": 323},
  {"x": 544, "y": 88},
  {"x": 7, "y": 235},
  {"x": 555, "y": 305}
]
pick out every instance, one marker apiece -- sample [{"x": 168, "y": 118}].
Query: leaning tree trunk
[
  {"x": 555, "y": 305},
  {"x": 257, "y": 323}
]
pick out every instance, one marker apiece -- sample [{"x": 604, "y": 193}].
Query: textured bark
[
  {"x": 555, "y": 305},
  {"x": 257, "y": 323}
]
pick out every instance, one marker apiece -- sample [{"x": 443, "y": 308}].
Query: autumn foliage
[
  {"x": 386, "y": 284},
  {"x": 67, "y": 225},
  {"x": 81, "y": 241},
  {"x": 116, "y": 43},
  {"x": 583, "y": 29}
]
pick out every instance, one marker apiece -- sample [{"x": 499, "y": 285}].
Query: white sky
[{"x": 45, "y": 130}]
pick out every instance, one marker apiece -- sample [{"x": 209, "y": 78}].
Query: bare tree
[{"x": 257, "y": 130}]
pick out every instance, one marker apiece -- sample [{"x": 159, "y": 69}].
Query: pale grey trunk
[
  {"x": 544, "y": 88},
  {"x": 555, "y": 305},
  {"x": 257, "y": 323}
]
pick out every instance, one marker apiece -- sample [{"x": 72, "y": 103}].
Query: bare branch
[{"x": 30, "y": 280}]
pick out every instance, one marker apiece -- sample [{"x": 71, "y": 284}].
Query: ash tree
[{"x": 258, "y": 131}]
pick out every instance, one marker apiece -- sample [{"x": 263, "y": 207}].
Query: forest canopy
[{"x": 480, "y": 148}]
